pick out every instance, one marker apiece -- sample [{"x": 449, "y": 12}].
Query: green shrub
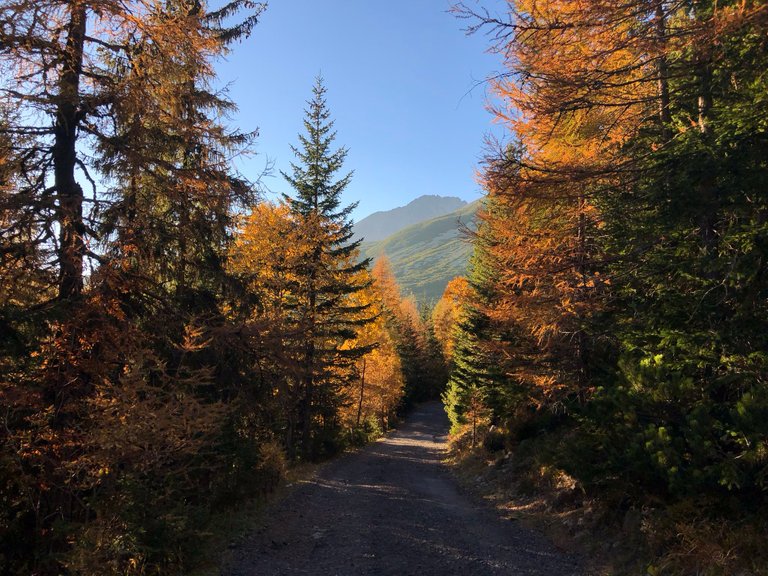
[{"x": 495, "y": 440}]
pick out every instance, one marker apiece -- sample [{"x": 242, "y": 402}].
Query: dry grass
[
  {"x": 686, "y": 542},
  {"x": 229, "y": 529},
  {"x": 614, "y": 541}
]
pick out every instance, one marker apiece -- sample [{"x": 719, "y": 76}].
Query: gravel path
[{"x": 393, "y": 509}]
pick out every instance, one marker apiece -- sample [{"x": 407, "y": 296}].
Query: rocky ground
[{"x": 393, "y": 509}]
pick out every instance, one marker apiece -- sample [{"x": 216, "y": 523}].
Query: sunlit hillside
[
  {"x": 427, "y": 255},
  {"x": 381, "y": 225}
]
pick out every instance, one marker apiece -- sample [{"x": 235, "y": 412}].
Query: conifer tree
[
  {"x": 446, "y": 314},
  {"x": 635, "y": 253},
  {"x": 120, "y": 203},
  {"x": 689, "y": 238},
  {"x": 379, "y": 390},
  {"x": 327, "y": 275},
  {"x": 435, "y": 366},
  {"x": 476, "y": 368}
]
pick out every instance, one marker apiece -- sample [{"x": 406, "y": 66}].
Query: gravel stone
[{"x": 393, "y": 509}]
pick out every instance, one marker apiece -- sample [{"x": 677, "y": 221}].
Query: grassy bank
[{"x": 615, "y": 536}]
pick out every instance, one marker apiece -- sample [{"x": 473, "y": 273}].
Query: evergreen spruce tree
[
  {"x": 435, "y": 366},
  {"x": 112, "y": 372},
  {"x": 326, "y": 317},
  {"x": 409, "y": 350},
  {"x": 476, "y": 370},
  {"x": 686, "y": 411}
]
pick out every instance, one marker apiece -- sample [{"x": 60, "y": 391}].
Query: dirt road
[{"x": 393, "y": 509}]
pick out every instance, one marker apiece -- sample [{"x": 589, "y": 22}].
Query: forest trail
[{"x": 393, "y": 509}]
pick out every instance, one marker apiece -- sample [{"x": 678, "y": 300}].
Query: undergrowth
[{"x": 618, "y": 534}]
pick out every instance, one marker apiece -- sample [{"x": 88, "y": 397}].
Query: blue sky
[{"x": 402, "y": 80}]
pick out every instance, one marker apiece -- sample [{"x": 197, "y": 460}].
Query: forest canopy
[{"x": 617, "y": 294}]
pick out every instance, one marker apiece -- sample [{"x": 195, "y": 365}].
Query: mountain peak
[
  {"x": 380, "y": 225},
  {"x": 427, "y": 255},
  {"x": 435, "y": 200}
]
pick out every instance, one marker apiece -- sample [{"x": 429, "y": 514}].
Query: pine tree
[
  {"x": 121, "y": 203},
  {"x": 78, "y": 74},
  {"x": 379, "y": 390},
  {"x": 635, "y": 249},
  {"x": 447, "y": 314},
  {"x": 328, "y": 274},
  {"x": 435, "y": 366},
  {"x": 421, "y": 357},
  {"x": 477, "y": 369},
  {"x": 688, "y": 236}
]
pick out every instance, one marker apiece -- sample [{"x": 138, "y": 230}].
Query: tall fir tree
[
  {"x": 328, "y": 274},
  {"x": 477, "y": 367},
  {"x": 636, "y": 254},
  {"x": 119, "y": 208},
  {"x": 686, "y": 412}
]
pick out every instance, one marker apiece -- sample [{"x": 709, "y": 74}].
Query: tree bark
[
  {"x": 306, "y": 408},
  {"x": 362, "y": 393},
  {"x": 708, "y": 196},
  {"x": 70, "y": 194},
  {"x": 582, "y": 293},
  {"x": 665, "y": 116},
  {"x": 309, "y": 370}
]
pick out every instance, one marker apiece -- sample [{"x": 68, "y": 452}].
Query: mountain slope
[
  {"x": 427, "y": 255},
  {"x": 381, "y": 225}
]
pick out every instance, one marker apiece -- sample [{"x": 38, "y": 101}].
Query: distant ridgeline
[{"x": 423, "y": 242}]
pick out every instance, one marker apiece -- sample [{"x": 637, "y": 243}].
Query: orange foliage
[
  {"x": 272, "y": 252},
  {"x": 583, "y": 77},
  {"x": 386, "y": 284},
  {"x": 581, "y": 81},
  {"x": 379, "y": 386},
  {"x": 449, "y": 312}
]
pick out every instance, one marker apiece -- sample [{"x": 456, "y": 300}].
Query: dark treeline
[
  {"x": 167, "y": 344},
  {"x": 616, "y": 314}
]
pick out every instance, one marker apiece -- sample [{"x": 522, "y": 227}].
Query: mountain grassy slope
[
  {"x": 380, "y": 225},
  {"x": 427, "y": 255}
]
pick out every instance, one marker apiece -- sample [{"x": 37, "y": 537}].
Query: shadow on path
[{"x": 393, "y": 509}]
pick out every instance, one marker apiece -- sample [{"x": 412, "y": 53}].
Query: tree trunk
[
  {"x": 309, "y": 371},
  {"x": 306, "y": 408},
  {"x": 70, "y": 194},
  {"x": 665, "y": 116},
  {"x": 707, "y": 189},
  {"x": 582, "y": 296},
  {"x": 289, "y": 441},
  {"x": 360, "y": 401},
  {"x": 704, "y": 73}
]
